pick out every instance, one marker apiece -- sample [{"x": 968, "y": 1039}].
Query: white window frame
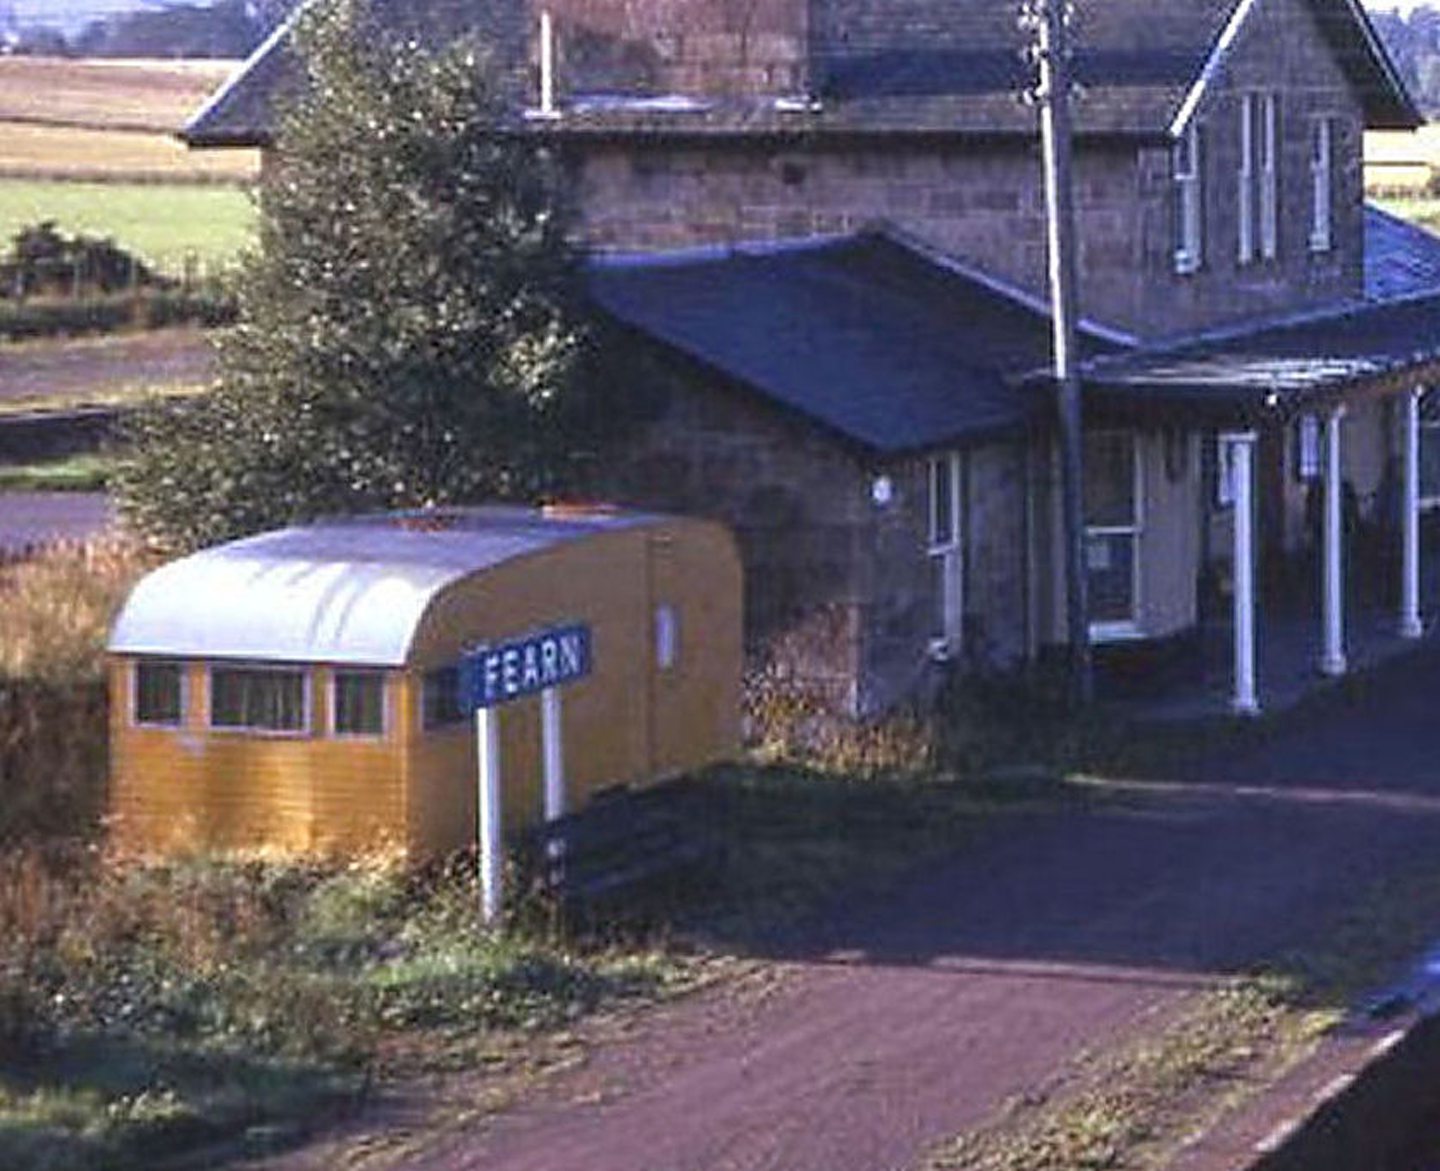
[
  {"x": 135, "y": 720},
  {"x": 1309, "y": 448},
  {"x": 1258, "y": 180},
  {"x": 1186, "y": 169},
  {"x": 1427, "y": 503},
  {"x": 1322, "y": 184},
  {"x": 1128, "y": 629},
  {"x": 307, "y": 719},
  {"x": 1269, "y": 177},
  {"x": 947, "y": 549},
  {"x": 386, "y": 720},
  {"x": 1245, "y": 194},
  {"x": 1224, "y": 473}
]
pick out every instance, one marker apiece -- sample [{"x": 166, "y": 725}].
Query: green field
[{"x": 162, "y": 223}]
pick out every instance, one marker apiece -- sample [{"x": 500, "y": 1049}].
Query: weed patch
[
  {"x": 88, "y": 472},
  {"x": 156, "y": 1007}
]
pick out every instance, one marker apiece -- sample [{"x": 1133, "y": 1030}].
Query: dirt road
[
  {"x": 29, "y": 519},
  {"x": 87, "y": 371},
  {"x": 909, "y": 1019}
]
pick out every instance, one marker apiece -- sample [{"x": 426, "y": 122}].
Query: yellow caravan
[{"x": 301, "y": 690}]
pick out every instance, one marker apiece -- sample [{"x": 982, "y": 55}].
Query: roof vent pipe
[{"x": 547, "y": 65}]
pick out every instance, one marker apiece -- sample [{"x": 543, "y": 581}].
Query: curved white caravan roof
[{"x": 338, "y": 591}]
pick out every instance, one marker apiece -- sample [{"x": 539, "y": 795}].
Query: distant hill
[
  {"x": 70, "y": 16},
  {"x": 138, "y": 28},
  {"x": 1413, "y": 42}
]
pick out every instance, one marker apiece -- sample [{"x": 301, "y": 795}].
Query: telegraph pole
[{"x": 1049, "y": 21}]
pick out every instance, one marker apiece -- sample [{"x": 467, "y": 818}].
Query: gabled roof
[
  {"x": 244, "y": 111},
  {"x": 886, "y": 66},
  {"x": 350, "y": 590},
  {"x": 1401, "y": 258},
  {"x": 876, "y": 342}
]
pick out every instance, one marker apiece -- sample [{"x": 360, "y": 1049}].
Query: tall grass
[{"x": 55, "y": 610}]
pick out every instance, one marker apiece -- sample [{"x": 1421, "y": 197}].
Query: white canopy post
[
  {"x": 492, "y": 857},
  {"x": 1411, "y": 625},
  {"x": 1332, "y": 658},
  {"x": 1240, "y": 447}
]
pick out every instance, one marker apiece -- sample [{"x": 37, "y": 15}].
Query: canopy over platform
[{"x": 1281, "y": 369}]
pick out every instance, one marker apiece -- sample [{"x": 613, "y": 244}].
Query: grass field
[
  {"x": 137, "y": 95},
  {"x": 90, "y": 145},
  {"x": 36, "y": 150},
  {"x": 162, "y": 223},
  {"x": 1398, "y": 162},
  {"x": 111, "y": 120}
]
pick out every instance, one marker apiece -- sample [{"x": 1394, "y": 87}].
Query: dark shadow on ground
[
  {"x": 1236, "y": 853},
  {"x": 93, "y": 1102}
]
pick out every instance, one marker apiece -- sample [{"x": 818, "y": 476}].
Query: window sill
[
  {"x": 1105, "y": 632},
  {"x": 261, "y": 733}
]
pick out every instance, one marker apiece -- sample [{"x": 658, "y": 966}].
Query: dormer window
[
  {"x": 1185, "y": 167},
  {"x": 1322, "y": 183},
  {"x": 1259, "y": 196}
]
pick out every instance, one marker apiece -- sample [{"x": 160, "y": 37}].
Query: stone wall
[
  {"x": 796, "y": 499},
  {"x": 694, "y": 47},
  {"x": 839, "y": 590},
  {"x": 903, "y": 605},
  {"x": 982, "y": 201},
  {"x": 1280, "y": 49}
]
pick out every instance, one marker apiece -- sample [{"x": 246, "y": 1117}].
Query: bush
[
  {"x": 246, "y": 988},
  {"x": 154, "y": 309},
  {"x": 55, "y": 611},
  {"x": 44, "y": 260},
  {"x": 407, "y": 335}
]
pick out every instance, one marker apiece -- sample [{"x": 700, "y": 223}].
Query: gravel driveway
[{"x": 904, "y": 1020}]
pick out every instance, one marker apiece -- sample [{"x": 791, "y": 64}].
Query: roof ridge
[
  {"x": 996, "y": 284},
  {"x": 269, "y": 45}
]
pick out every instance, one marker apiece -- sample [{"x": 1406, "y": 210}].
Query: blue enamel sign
[{"x": 518, "y": 667}]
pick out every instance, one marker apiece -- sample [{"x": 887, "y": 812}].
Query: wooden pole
[{"x": 1051, "y": 23}]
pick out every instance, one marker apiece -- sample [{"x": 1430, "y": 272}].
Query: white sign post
[
  {"x": 495, "y": 675},
  {"x": 492, "y": 852}
]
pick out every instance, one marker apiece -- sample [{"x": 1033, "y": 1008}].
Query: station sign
[{"x": 506, "y": 671}]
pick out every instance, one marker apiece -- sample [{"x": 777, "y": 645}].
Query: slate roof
[
  {"x": 1401, "y": 258},
  {"x": 893, "y": 66},
  {"x": 243, "y": 112},
  {"x": 873, "y": 340},
  {"x": 897, "y": 350}
]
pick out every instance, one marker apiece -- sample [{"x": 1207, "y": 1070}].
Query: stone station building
[{"x": 825, "y": 220}]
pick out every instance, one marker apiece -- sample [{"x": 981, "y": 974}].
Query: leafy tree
[{"x": 408, "y": 334}]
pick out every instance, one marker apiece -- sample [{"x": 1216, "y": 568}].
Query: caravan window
[
  {"x": 358, "y": 703},
  {"x": 440, "y": 704},
  {"x": 258, "y": 699},
  {"x": 159, "y": 693}
]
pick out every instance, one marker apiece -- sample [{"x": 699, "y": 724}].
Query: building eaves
[{"x": 864, "y": 337}]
